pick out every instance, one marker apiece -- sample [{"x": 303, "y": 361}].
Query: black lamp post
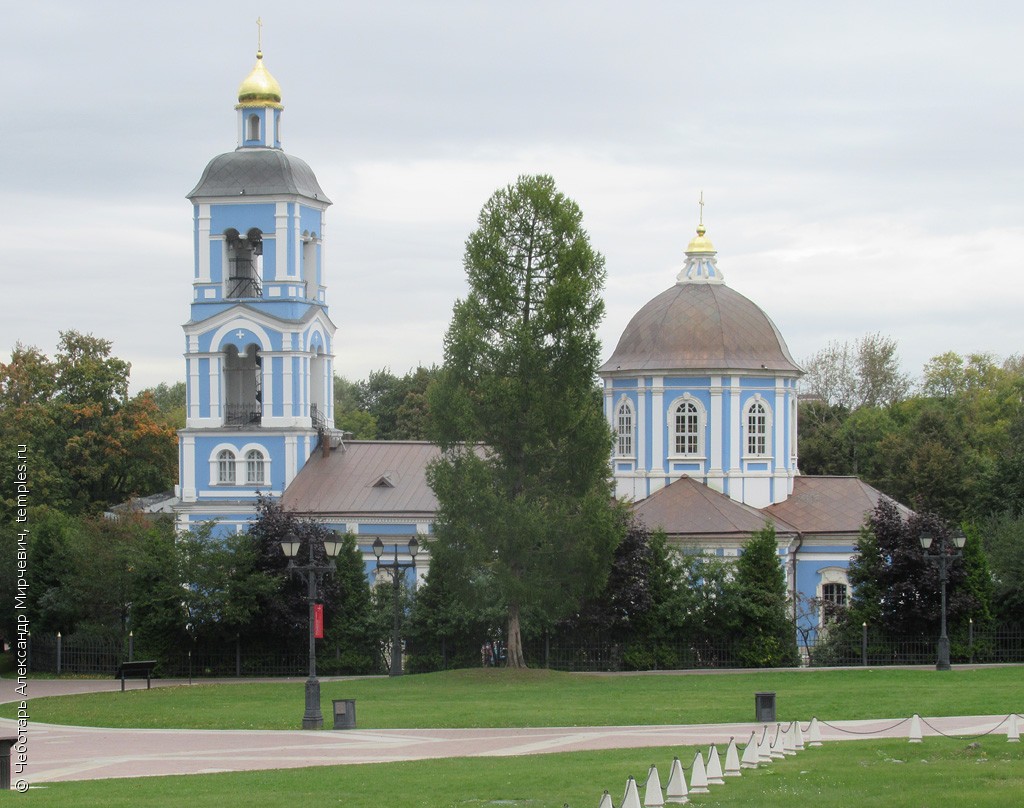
[
  {"x": 313, "y": 574},
  {"x": 943, "y": 555},
  {"x": 396, "y": 568}
]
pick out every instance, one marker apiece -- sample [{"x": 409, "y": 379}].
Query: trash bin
[
  {"x": 344, "y": 713},
  {"x": 764, "y": 707},
  {"x": 5, "y": 761}
]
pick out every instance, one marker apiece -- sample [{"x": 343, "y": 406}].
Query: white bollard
[
  {"x": 764, "y": 748},
  {"x": 749, "y": 759},
  {"x": 699, "y": 776},
  {"x": 814, "y": 733},
  {"x": 606, "y": 800},
  {"x": 732, "y": 760},
  {"x": 915, "y": 729},
  {"x": 714, "y": 768},
  {"x": 776, "y": 744},
  {"x": 631, "y": 799},
  {"x": 652, "y": 792},
  {"x": 675, "y": 791},
  {"x": 789, "y": 740},
  {"x": 799, "y": 737},
  {"x": 1013, "y": 730}
]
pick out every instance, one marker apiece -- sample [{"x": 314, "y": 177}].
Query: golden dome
[
  {"x": 700, "y": 243},
  {"x": 259, "y": 89}
]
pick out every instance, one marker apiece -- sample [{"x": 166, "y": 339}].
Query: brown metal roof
[
  {"x": 366, "y": 478},
  {"x": 829, "y": 505},
  {"x": 689, "y": 508},
  {"x": 700, "y": 326}
]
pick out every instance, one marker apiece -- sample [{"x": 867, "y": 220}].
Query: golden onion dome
[
  {"x": 259, "y": 89},
  {"x": 700, "y": 243}
]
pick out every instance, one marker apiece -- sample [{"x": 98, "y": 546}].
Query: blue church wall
[
  {"x": 311, "y": 220},
  {"x": 243, "y": 218},
  {"x": 265, "y": 340},
  {"x": 269, "y": 117},
  {"x": 273, "y": 447}
]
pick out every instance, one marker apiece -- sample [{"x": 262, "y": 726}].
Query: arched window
[
  {"x": 226, "y": 467},
  {"x": 687, "y": 429},
  {"x": 244, "y": 258},
  {"x": 255, "y": 467},
  {"x": 624, "y": 429},
  {"x": 253, "y": 127},
  {"x": 757, "y": 428}
]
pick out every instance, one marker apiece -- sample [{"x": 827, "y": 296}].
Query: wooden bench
[{"x": 136, "y": 670}]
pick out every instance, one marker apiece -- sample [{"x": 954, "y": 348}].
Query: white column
[
  {"x": 735, "y": 442},
  {"x": 658, "y": 424},
  {"x": 216, "y": 400},
  {"x": 779, "y": 447},
  {"x": 642, "y": 427},
  {"x": 283, "y": 270},
  {"x": 203, "y": 244}
]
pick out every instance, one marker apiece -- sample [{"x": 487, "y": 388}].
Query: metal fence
[
  {"x": 1004, "y": 644},
  {"x": 83, "y": 655},
  {"x": 76, "y": 655}
]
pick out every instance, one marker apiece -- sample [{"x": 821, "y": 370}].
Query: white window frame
[
  {"x": 252, "y": 457},
  {"x": 831, "y": 576},
  {"x": 625, "y": 440},
  {"x": 227, "y": 472},
  {"x": 764, "y": 433},
  {"x": 697, "y": 409}
]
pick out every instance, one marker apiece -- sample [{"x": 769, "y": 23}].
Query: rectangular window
[{"x": 687, "y": 430}]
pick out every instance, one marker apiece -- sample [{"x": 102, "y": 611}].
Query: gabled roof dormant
[{"x": 347, "y": 481}]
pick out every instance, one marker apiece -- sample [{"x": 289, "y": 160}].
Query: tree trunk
[{"x": 514, "y": 652}]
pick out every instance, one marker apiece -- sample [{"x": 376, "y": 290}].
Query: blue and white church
[
  {"x": 701, "y": 391},
  {"x": 259, "y": 342}
]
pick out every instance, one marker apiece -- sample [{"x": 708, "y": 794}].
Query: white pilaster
[
  {"x": 284, "y": 268},
  {"x": 658, "y": 425},
  {"x": 203, "y": 243}
]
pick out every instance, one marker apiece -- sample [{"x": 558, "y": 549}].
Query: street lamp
[
  {"x": 942, "y": 556},
  {"x": 396, "y": 568},
  {"x": 313, "y": 574}
]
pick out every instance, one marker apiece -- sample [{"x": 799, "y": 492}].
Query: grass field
[
  {"x": 501, "y": 698},
  {"x": 891, "y": 773}
]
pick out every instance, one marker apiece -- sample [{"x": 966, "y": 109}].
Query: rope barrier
[
  {"x": 856, "y": 732},
  {"x": 966, "y": 737}
]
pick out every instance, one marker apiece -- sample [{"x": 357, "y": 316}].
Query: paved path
[{"x": 84, "y": 753}]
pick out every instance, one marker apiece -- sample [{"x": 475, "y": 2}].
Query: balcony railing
[{"x": 242, "y": 414}]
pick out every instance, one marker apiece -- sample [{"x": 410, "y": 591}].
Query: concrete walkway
[{"x": 84, "y": 753}]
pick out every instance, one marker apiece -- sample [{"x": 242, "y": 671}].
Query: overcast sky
[{"x": 862, "y": 163}]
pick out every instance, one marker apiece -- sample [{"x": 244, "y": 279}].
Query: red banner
[{"x": 318, "y": 621}]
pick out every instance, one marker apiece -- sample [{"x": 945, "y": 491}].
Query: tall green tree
[
  {"x": 530, "y": 507},
  {"x": 765, "y": 628}
]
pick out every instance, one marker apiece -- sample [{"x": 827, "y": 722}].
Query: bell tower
[{"x": 259, "y": 342}]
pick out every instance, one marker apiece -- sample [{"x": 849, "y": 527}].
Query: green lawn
[
  {"x": 891, "y": 773},
  {"x": 501, "y": 698}
]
